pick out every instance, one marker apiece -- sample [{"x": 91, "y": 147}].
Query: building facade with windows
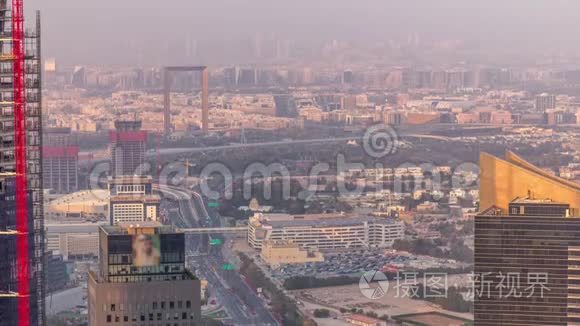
[
  {"x": 127, "y": 148},
  {"x": 60, "y": 160},
  {"x": 21, "y": 212},
  {"x": 153, "y": 289},
  {"x": 73, "y": 241},
  {"x": 276, "y": 253},
  {"x": 324, "y": 231},
  {"x": 132, "y": 200},
  {"x": 527, "y": 250}
]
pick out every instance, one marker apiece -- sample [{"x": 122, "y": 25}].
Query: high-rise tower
[
  {"x": 545, "y": 102},
  {"x": 527, "y": 246},
  {"x": 142, "y": 278},
  {"x": 127, "y": 148},
  {"x": 21, "y": 214},
  {"x": 60, "y": 160}
]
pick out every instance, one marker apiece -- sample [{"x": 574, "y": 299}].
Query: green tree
[{"x": 321, "y": 313}]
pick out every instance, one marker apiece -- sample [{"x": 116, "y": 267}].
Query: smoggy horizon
[{"x": 153, "y": 32}]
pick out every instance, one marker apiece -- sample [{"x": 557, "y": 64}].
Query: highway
[
  {"x": 176, "y": 151},
  {"x": 192, "y": 150},
  {"x": 231, "y": 292}
]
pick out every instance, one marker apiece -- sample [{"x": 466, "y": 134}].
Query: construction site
[{"x": 21, "y": 211}]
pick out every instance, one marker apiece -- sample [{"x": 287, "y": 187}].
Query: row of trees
[
  {"x": 309, "y": 282},
  {"x": 457, "y": 249}
]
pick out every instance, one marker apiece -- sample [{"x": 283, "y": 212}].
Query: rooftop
[
  {"x": 528, "y": 200},
  {"x": 502, "y": 180},
  {"x": 309, "y": 217},
  {"x": 128, "y": 124},
  {"x": 73, "y": 228},
  {"x": 139, "y": 198},
  {"x": 86, "y": 197},
  {"x": 363, "y": 318},
  {"x": 432, "y": 318},
  {"x": 130, "y": 179},
  {"x": 329, "y": 220},
  {"x": 141, "y": 227}
]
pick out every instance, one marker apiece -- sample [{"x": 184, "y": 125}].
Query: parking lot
[{"x": 357, "y": 262}]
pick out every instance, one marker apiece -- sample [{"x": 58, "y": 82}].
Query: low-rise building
[
  {"x": 324, "y": 231},
  {"x": 276, "y": 253},
  {"x": 132, "y": 200},
  {"x": 80, "y": 204},
  {"x": 73, "y": 241}
]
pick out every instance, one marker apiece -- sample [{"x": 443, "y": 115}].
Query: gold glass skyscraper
[
  {"x": 527, "y": 246},
  {"x": 501, "y": 181}
]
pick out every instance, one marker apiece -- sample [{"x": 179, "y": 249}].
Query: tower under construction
[
  {"x": 21, "y": 212},
  {"x": 127, "y": 148}
]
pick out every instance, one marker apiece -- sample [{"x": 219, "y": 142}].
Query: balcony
[
  {"x": 7, "y": 57},
  {"x": 32, "y": 98},
  {"x": 6, "y": 142},
  {"x": 33, "y": 112},
  {"x": 32, "y": 83},
  {"x": 7, "y": 156},
  {"x": 6, "y": 128}
]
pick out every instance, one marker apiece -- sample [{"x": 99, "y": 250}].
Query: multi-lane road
[
  {"x": 172, "y": 152},
  {"x": 175, "y": 151},
  {"x": 239, "y": 300}
]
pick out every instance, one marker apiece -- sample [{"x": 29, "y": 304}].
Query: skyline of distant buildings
[{"x": 447, "y": 99}]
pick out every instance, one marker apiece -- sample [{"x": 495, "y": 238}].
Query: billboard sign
[{"x": 146, "y": 250}]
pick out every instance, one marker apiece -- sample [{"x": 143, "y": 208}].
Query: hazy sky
[{"x": 109, "y": 31}]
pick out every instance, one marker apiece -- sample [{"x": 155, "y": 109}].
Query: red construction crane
[{"x": 22, "y": 245}]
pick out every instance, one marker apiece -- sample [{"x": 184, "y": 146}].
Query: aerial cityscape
[{"x": 237, "y": 162}]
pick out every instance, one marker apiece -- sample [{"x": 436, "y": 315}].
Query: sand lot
[{"x": 349, "y": 296}]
